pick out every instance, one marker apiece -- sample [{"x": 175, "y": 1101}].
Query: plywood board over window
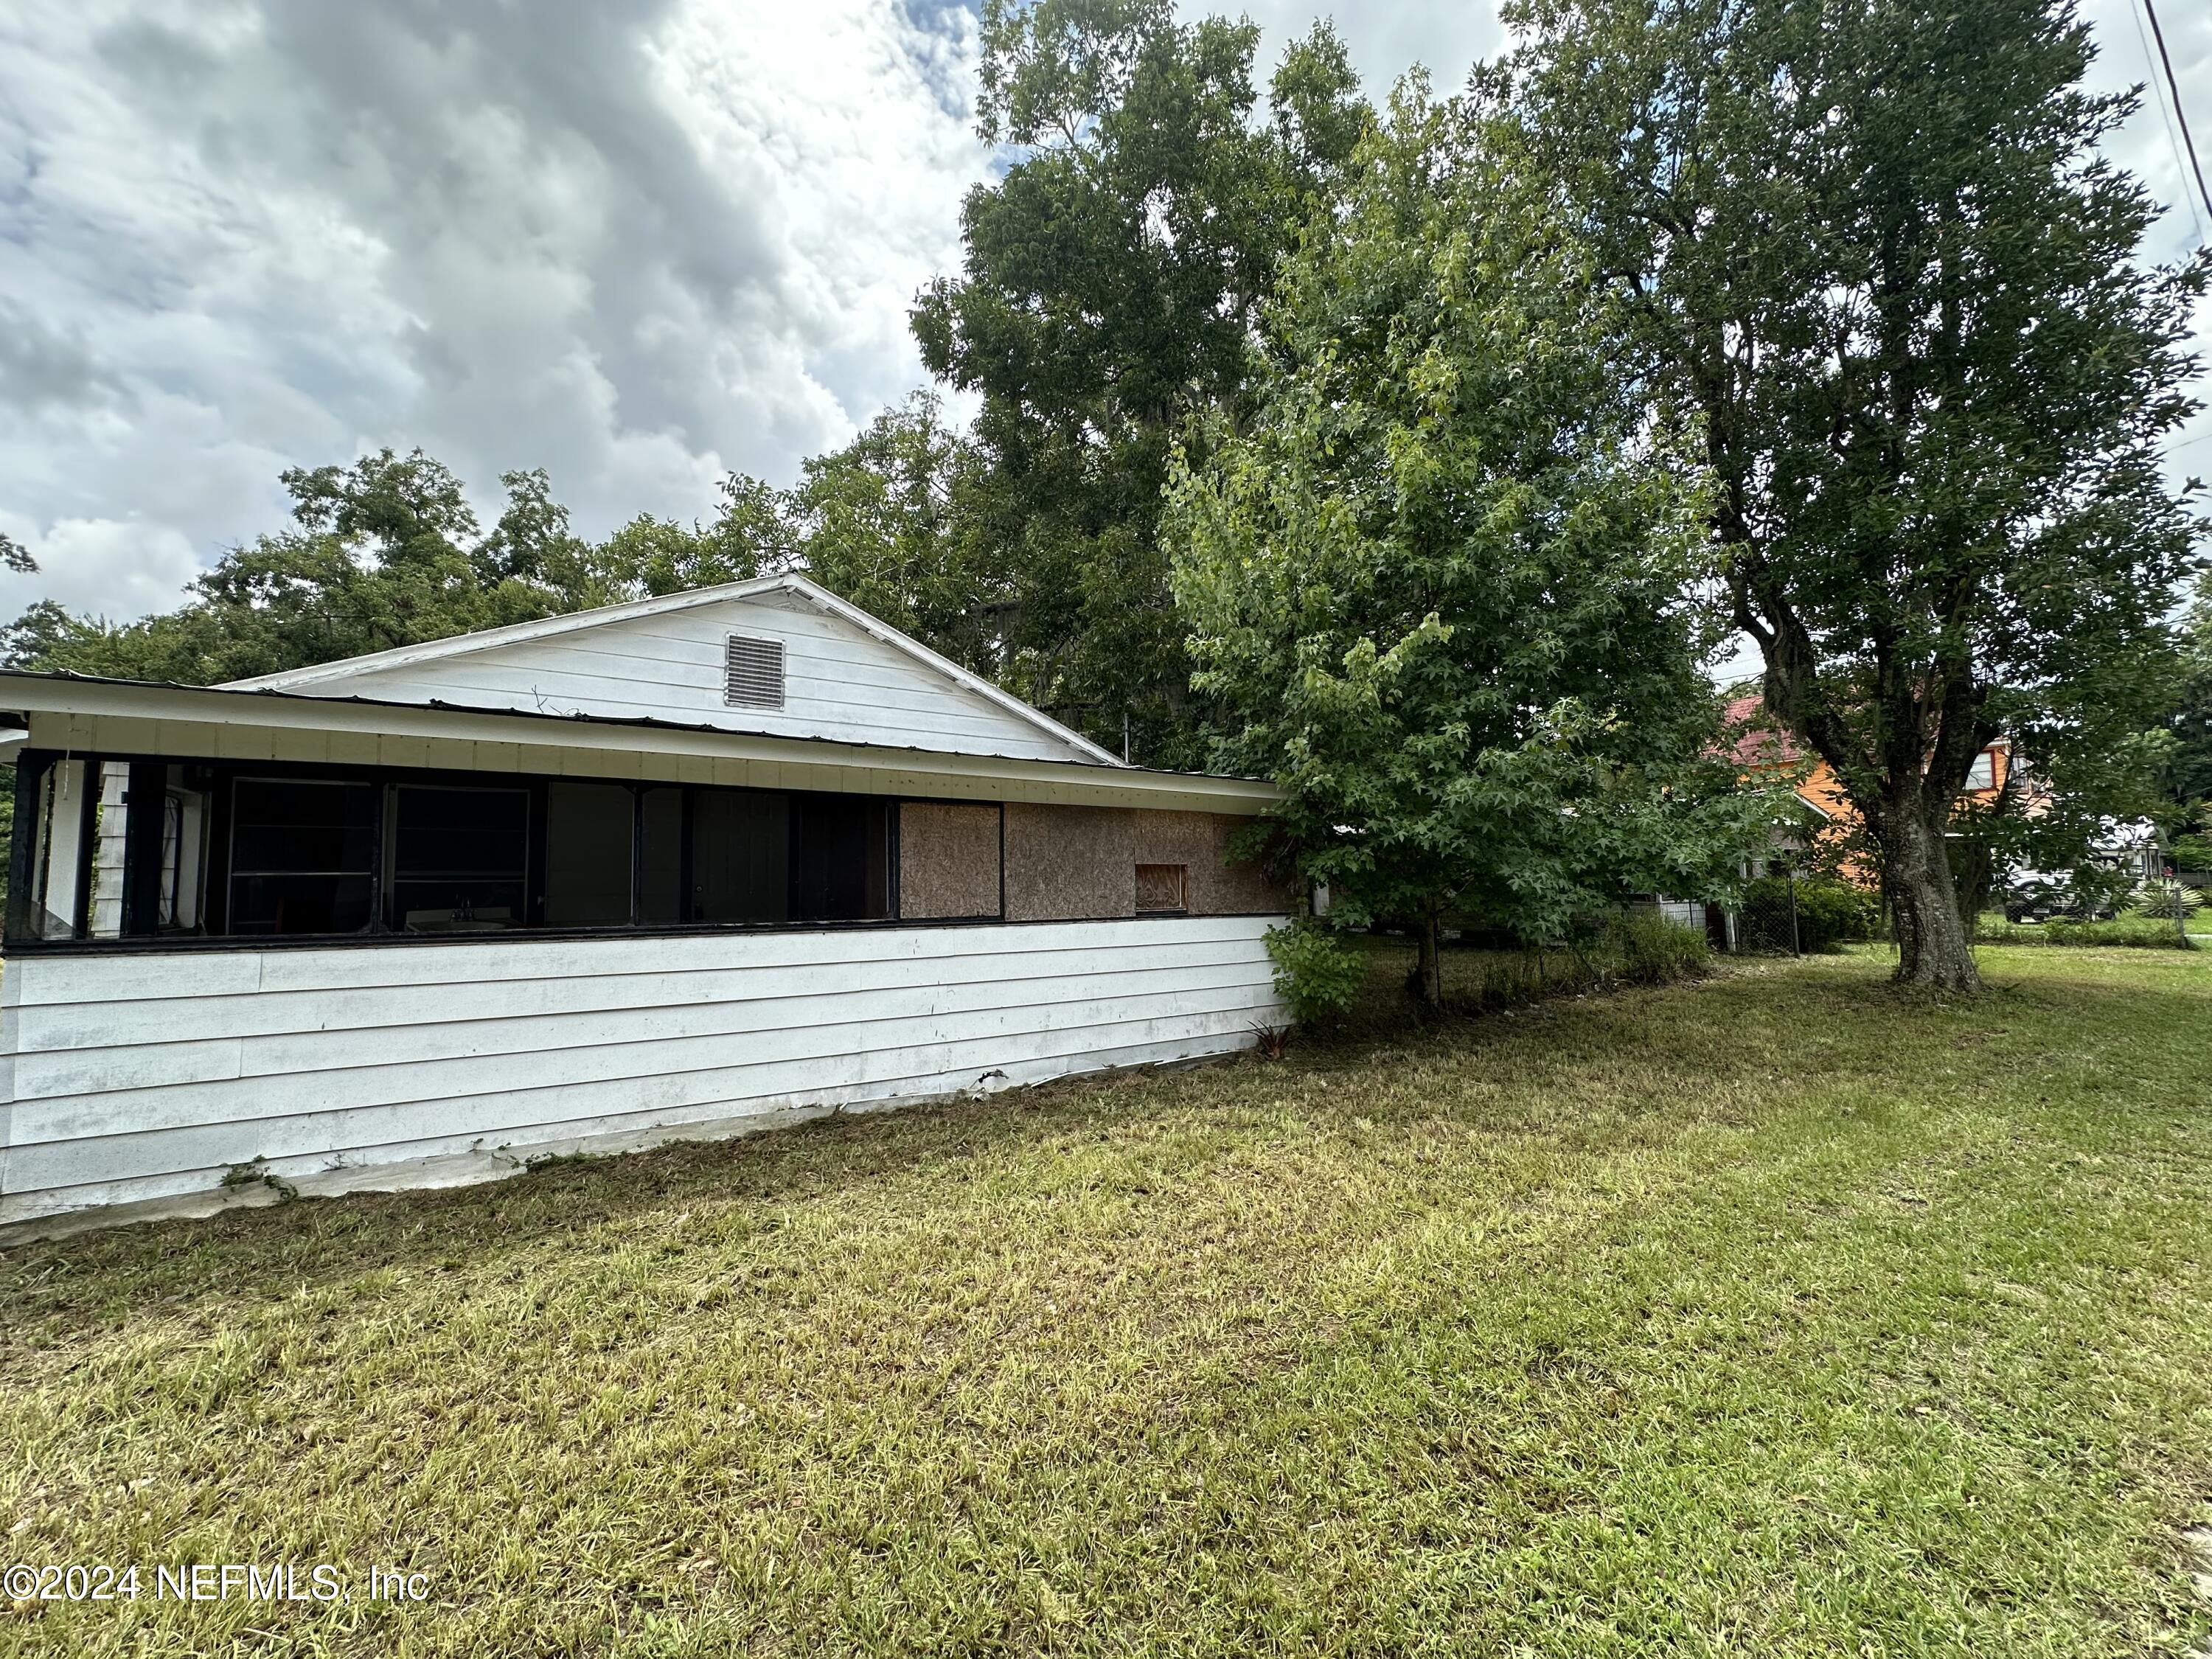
[
  {"x": 1218, "y": 885},
  {"x": 948, "y": 861},
  {"x": 1162, "y": 888},
  {"x": 1068, "y": 863}
]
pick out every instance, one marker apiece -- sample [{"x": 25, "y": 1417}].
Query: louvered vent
[{"x": 754, "y": 673}]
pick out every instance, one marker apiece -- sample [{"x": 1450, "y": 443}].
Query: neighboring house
[
  {"x": 2130, "y": 848},
  {"x": 1762, "y": 748},
  {"x": 670, "y": 869}
]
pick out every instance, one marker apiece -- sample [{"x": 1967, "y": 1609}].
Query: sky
[{"x": 641, "y": 243}]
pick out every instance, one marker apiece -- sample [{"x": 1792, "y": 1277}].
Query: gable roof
[{"x": 330, "y": 678}]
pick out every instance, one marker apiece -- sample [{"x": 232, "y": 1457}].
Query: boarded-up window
[
  {"x": 1162, "y": 888},
  {"x": 754, "y": 673},
  {"x": 948, "y": 861}
]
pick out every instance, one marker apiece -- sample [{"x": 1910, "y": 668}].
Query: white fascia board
[{"x": 64, "y": 714}]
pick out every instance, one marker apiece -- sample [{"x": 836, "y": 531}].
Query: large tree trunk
[{"x": 1932, "y": 935}]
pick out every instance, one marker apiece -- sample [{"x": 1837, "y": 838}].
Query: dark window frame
[
  {"x": 222, "y": 856},
  {"x": 34, "y": 771}
]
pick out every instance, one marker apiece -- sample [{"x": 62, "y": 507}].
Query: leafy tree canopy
[
  {"x": 1874, "y": 255},
  {"x": 1439, "y": 587},
  {"x": 2189, "y": 765},
  {"x": 388, "y": 552},
  {"x": 1112, "y": 285}
]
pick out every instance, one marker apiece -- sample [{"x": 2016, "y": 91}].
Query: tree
[
  {"x": 1111, "y": 284},
  {"x": 388, "y": 552},
  {"x": 888, "y": 523},
  {"x": 1438, "y": 586},
  {"x": 2189, "y": 765},
  {"x": 1873, "y": 254},
  {"x": 15, "y": 557},
  {"x": 752, "y": 535}
]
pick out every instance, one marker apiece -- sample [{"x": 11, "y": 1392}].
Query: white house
[{"x": 671, "y": 869}]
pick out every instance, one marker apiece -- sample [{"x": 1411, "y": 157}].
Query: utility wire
[
  {"x": 2166, "y": 123},
  {"x": 2180, "y": 114}
]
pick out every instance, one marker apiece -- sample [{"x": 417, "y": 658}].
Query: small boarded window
[
  {"x": 1162, "y": 888},
  {"x": 754, "y": 673}
]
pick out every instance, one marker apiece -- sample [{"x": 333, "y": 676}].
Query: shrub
[
  {"x": 1653, "y": 950},
  {"x": 2142, "y": 932},
  {"x": 2192, "y": 852},
  {"x": 2157, "y": 898},
  {"x": 1833, "y": 912},
  {"x": 1319, "y": 972}
]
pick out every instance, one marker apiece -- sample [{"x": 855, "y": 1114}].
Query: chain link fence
[{"x": 1766, "y": 923}]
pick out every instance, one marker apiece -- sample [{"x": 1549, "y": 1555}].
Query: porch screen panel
[
  {"x": 303, "y": 856},
  {"x": 588, "y": 840},
  {"x": 740, "y": 856},
  {"x": 660, "y": 856},
  {"x": 840, "y": 859},
  {"x": 459, "y": 858}
]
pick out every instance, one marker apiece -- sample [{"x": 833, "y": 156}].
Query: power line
[
  {"x": 2165, "y": 124},
  {"x": 2181, "y": 115}
]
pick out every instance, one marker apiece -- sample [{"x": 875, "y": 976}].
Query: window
[
  {"x": 761, "y": 857},
  {"x": 1162, "y": 888},
  {"x": 303, "y": 856},
  {"x": 840, "y": 859},
  {"x": 588, "y": 865},
  {"x": 459, "y": 858},
  {"x": 753, "y": 672},
  {"x": 1983, "y": 774},
  {"x": 141, "y": 848},
  {"x": 65, "y": 827},
  {"x": 741, "y": 850}
]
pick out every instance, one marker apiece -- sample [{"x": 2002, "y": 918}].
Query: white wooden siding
[
  {"x": 1683, "y": 913},
  {"x": 130, "y": 1078},
  {"x": 839, "y": 682}
]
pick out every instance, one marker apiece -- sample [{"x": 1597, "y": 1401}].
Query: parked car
[{"x": 2032, "y": 896}]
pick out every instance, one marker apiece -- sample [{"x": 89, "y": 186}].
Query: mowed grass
[{"x": 1776, "y": 1314}]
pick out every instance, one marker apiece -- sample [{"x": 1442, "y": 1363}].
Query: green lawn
[{"x": 1772, "y": 1314}]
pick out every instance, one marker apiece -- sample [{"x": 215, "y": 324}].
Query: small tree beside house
[{"x": 1438, "y": 584}]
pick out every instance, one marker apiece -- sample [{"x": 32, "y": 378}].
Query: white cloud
[
  {"x": 638, "y": 242},
  {"x": 115, "y": 567}
]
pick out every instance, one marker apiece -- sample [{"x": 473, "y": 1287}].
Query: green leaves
[
  {"x": 890, "y": 523},
  {"x": 387, "y": 552},
  {"x": 1109, "y": 301},
  {"x": 1438, "y": 582}
]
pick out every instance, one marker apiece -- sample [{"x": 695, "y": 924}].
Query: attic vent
[{"x": 754, "y": 673}]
